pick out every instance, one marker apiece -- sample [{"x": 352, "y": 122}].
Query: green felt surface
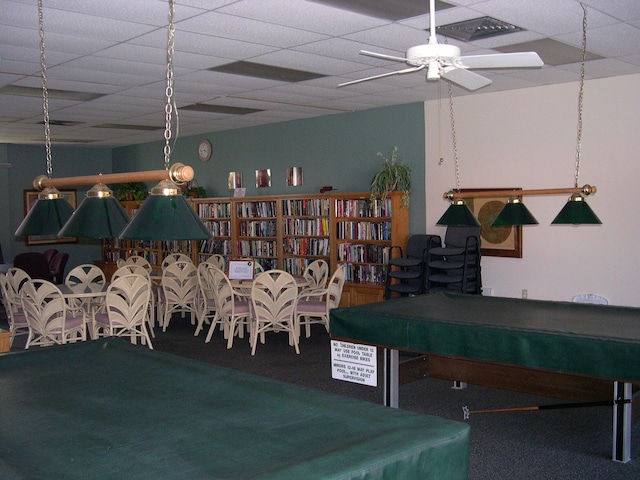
[
  {"x": 108, "y": 410},
  {"x": 597, "y": 340}
]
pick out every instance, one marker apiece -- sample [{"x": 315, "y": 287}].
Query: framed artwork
[
  {"x": 263, "y": 178},
  {"x": 496, "y": 241},
  {"x": 294, "y": 176},
  {"x": 30, "y": 197}
]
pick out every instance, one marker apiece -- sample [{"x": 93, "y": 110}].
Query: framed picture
[
  {"x": 30, "y": 197},
  {"x": 263, "y": 178},
  {"x": 496, "y": 241}
]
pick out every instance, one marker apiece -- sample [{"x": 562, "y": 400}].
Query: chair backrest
[
  {"x": 57, "y": 265},
  {"x": 223, "y": 291},
  {"x": 8, "y": 298},
  {"x": 207, "y": 287},
  {"x": 129, "y": 269},
  {"x": 135, "y": 260},
  {"x": 175, "y": 257},
  {"x": 217, "y": 260},
  {"x": 590, "y": 298},
  {"x": 335, "y": 287},
  {"x": 85, "y": 274},
  {"x": 127, "y": 300},
  {"x": 49, "y": 253},
  {"x": 45, "y": 310},
  {"x": 316, "y": 274},
  {"x": 16, "y": 278},
  {"x": 273, "y": 296},
  {"x": 180, "y": 283},
  {"x": 419, "y": 245},
  {"x": 35, "y": 264},
  {"x": 456, "y": 236}
]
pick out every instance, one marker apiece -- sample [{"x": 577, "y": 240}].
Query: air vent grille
[{"x": 477, "y": 29}]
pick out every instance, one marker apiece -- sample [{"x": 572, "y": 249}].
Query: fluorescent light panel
[
  {"x": 206, "y": 108},
  {"x": 551, "y": 51},
  {"x": 269, "y": 72},
  {"x": 53, "y": 93},
  {"x": 390, "y": 10}
]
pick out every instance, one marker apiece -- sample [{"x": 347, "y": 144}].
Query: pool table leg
[
  {"x": 621, "y": 421},
  {"x": 391, "y": 377}
]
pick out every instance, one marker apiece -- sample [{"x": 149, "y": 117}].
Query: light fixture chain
[
  {"x": 45, "y": 92},
  {"x": 169, "y": 89},
  {"x": 581, "y": 93},
  {"x": 453, "y": 138}
]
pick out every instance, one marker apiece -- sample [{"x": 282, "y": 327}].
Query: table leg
[
  {"x": 622, "y": 421},
  {"x": 391, "y": 377}
]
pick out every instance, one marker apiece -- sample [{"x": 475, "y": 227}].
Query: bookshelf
[{"x": 289, "y": 232}]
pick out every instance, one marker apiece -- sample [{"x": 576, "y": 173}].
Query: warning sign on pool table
[{"x": 354, "y": 362}]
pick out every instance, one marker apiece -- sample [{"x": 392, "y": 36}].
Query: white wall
[{"x": 527, "y": 138}]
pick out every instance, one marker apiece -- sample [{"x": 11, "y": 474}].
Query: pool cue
[{"x": 466, "y": 412}]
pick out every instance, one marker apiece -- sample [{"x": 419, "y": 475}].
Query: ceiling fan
[{"x": 444, "y": 61}]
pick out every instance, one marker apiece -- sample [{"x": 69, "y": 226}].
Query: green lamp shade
[
  {"x": 576, "y": 212},
  {"x": 96, "y": 217},
  {"x": 458, "y": 214},
  {"x": 47, "y": 216},
  {"x": 514, "y": 213},
  {"x": 165, "y": 217}
]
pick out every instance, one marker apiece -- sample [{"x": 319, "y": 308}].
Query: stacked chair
[{"x": 406, "y": 272}]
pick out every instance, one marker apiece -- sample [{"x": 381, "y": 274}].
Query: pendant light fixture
[
  {"x": 576, "y": 211},
  {"x": 100, "y": 215},
  {"x": 458, "y": 213},
  {"x": 165, "y": 214},
  {"x": 51, "y": 210}
]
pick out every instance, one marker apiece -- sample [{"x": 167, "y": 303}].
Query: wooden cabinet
[{"x": 288, "y": 232}]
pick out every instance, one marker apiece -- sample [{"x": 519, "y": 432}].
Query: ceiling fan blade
[
  {"x": 503, "y": 60},
  {"x": 382, "y": 56},
  {"x": 466, "y": 79},
  {"x": 397, "y": 72}
]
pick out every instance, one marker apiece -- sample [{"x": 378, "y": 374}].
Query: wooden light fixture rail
[
  {"x": 454, "y": 195},
  {"x": 178, "y": 173}
]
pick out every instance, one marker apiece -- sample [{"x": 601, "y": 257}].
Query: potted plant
[
  {"x": 194, "y": 190},
  {"x": 131, "y": 191},
  {"x": 393, "y": 175}
]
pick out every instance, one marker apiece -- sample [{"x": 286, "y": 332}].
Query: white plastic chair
[
  {"x": 179, "y": 291},
  {"x": 316, "y": 275},
  {"x": 50, "y": 320},
  {"x": 207, "y": 298},
  {"x": 233, "y": 308},
  {"x": 135, "y": 260},
  {"x": 83, "y": 275},
  {"x": 140, "y": 270},
  {"x": 314, "y": 305},
  {"x": 125, "y": 311},
  {"x": 13, "y": 308},
  {"x": 273, "y": 297}
]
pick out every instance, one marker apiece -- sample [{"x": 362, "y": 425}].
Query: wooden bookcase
[{"x": 289, "y": 232}]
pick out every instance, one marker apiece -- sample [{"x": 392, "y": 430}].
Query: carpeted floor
[{"x": 547, "y": 444}]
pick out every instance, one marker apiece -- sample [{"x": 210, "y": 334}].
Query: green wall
[{"x": 338, "y": 150}]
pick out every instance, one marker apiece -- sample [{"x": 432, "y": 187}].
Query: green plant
[
  {"x": 393, "y": 175},
  {"x": 131, "y": 191},
  {"x": 195, "y": 191}
]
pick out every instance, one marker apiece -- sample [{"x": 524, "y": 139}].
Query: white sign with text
[{"x": 354, "y": 362}]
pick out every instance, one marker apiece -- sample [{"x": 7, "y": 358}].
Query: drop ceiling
[{"x": 106, "y": 60}]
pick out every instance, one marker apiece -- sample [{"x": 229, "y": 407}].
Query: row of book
[
  {"x": 364, "y": 230},
  {"x": 256, "y": 209},
  {"x": 256, "y": 248},
  {"x": 296, "y": 266},
  {"x": 214, "y": 210},
  {"x": 307, "y": 246},
  {"x": 368, "y": 274},
  {"x": 363, "y": 208},
  {"x": 348, "y": 252},
  {"x": 266, "y": 228},
  {"x": 211, "y": 246},
  {"x": 306, "y": 226},
  {"x": 219, "y": 229},
  {"x": 306, "y": 207}
]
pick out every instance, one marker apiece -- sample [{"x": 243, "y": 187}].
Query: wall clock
[{"x": 204, "y": 150}]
